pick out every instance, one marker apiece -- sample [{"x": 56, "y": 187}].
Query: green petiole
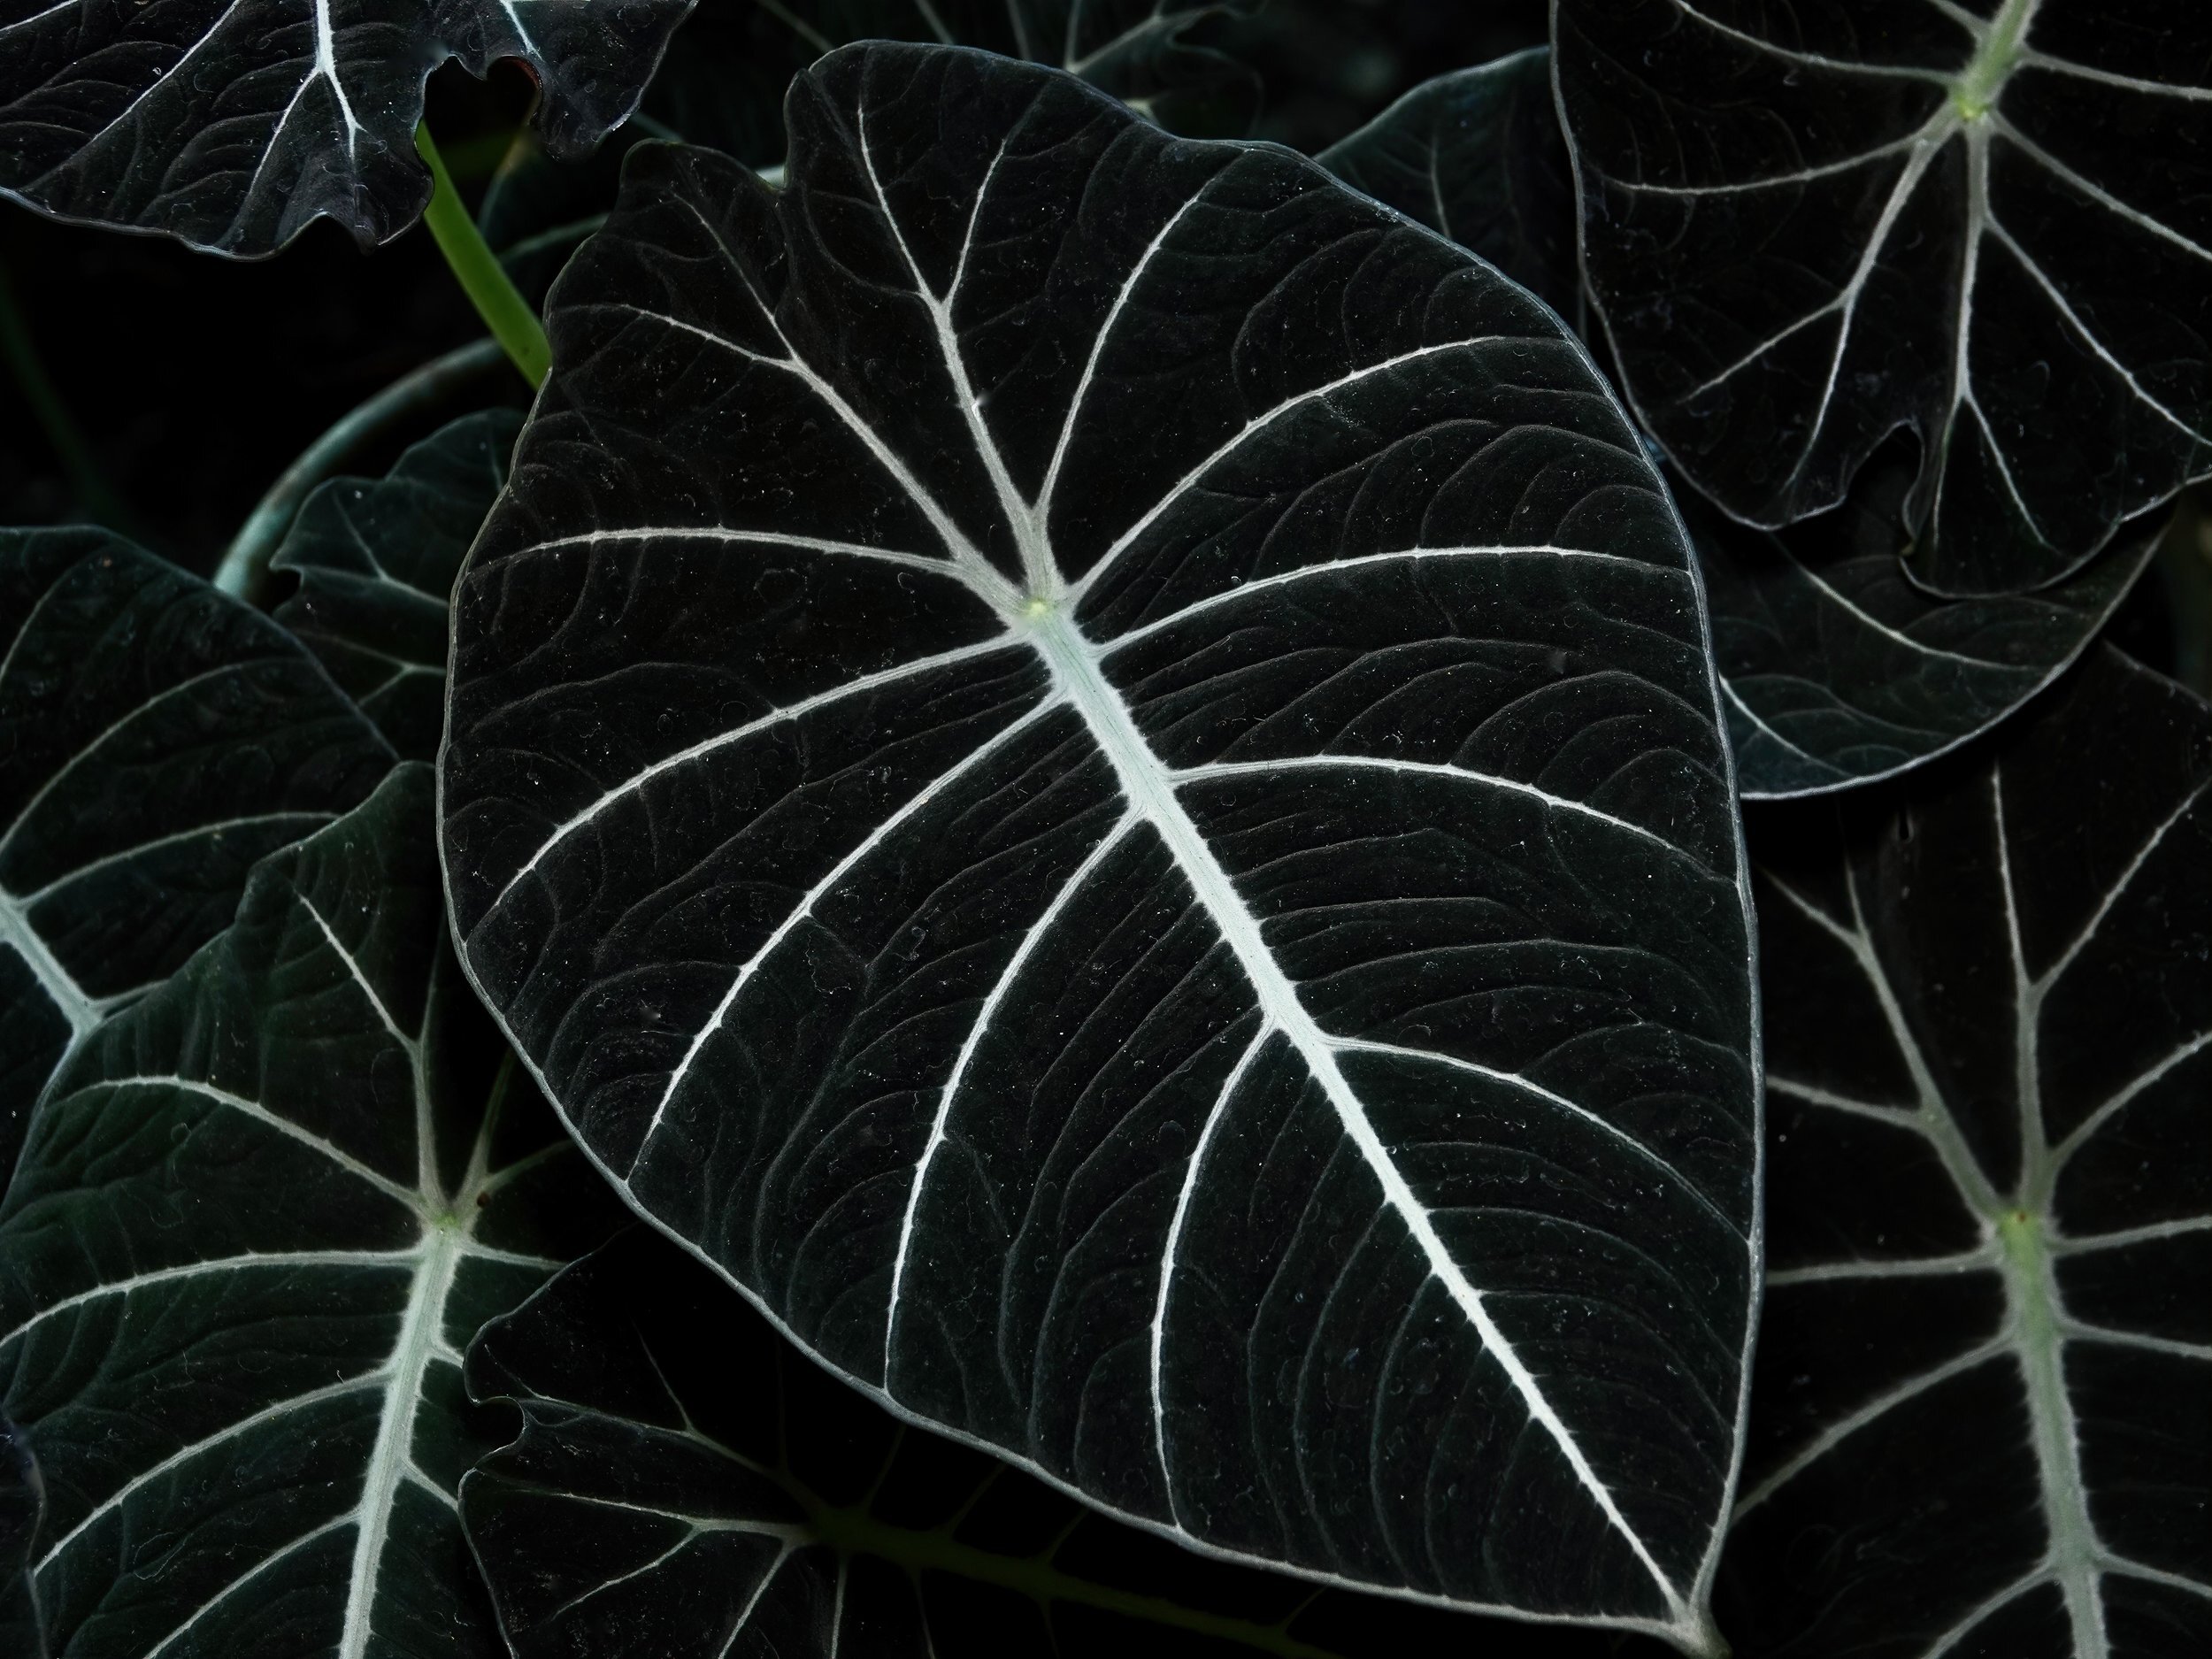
[{"x": 508, "y": 315}]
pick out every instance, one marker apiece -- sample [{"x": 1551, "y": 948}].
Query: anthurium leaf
[
  {"x": 155, "y": 739},
  {"x": 1980, "y": 1423},
  {"x": 1091, "y": 762},
  {"x": 376, "y": 559},
  {"x": 687, "y": 1484},
  {"x": 1809, "y": 226},
  {"x": 1836, "y": 670},
  {"x": 1477, "y": 155},
  {"x": 230, "y": 124},
  {"x": 257, "y": 1220}
]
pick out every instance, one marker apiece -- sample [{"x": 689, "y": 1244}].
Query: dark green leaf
[
  {"x": 257, "y": 1219},
  {"x": 1093, "y": 763},
  {"x": 155, "y": 739},
  {"x": 687, "y": 1484},
  {"x": 230, "y": 124},
  {"x": 1980, "y": 1421},
  {"x": 723, "y": 83},
  {"x": 1476, "y": 155},
  {"x": 376, "y": 559},
  {"x": 1806, "y": 225},
  {"x": 1837, "y": 669},
  {"x": 19, "y": 1633}
]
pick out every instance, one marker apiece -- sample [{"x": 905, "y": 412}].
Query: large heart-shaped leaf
[
  {"x": 1807, "y": 225},
  {"x": 376, "y": 559},
  {"x": 1476, "y": 155},
  {"x": 686, "y": 1485},
  {"x": 1836, "y": 670},
  {"x": 257, "y": 1219},
  {"x": 723, "y": 86},
  {"x": 155, "y": 739},
  {"x": 1091, "y": 762},
  {"x": 230, "y": 124},
  {"x": 1980, "y": 1425}
]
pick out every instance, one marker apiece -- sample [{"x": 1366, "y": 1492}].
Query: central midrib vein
[
  {"x": 412, "y": 1351},
  {"x": 1075, "y": 669},
  {"x": 2033, "y": 1311}
]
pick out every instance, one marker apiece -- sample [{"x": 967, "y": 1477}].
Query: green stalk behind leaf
[{"x": 508, "y": 315}]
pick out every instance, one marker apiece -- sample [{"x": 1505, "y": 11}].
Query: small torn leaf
[{"x": 376, "y": 559}]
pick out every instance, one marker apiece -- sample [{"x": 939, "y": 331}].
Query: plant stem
[
  {"x": 505, "y": 313},
  {"x": 53, "y": 417},
  {"x": 245, "y": 567}
]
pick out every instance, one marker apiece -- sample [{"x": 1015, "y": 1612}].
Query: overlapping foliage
[{"x": 1229, "y": 938}]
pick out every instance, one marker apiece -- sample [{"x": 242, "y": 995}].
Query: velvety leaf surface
[
  {"x": 723, "y": 86},
  {"x": 1091, "y": 762},
  {"x": 257, "y": 1219},
  {"x": 1809, "y": 225},
  {"x": 155, "y": 739},
  {"x": 688, "y": 1484},
  {"x": 376, "y": 559},
  {"x": 20, "y": 1632},
  {"x": 1836, "y": 670},
  {"x": 1980, "y": 1423},
  {"x": 230, "y": 124},
  {"x": 1477, "y": 156}
]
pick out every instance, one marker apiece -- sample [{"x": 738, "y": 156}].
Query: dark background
[
  {"x": 161, "y": 391},
  {"x": 181, "y": 383}
]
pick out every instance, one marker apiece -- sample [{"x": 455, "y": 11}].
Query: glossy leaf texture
[
  {"x": 257, "y": 1222},
  {"x": 1477, "y": 156},
  {"x": 1809, "y": 226},
  {"x": 1836, "y": 671},
  {"x": 1979, "y": 1425},
  {"x": 230, "y": 124},
  {"x": 722, "y": 87},
  {"x": 687, "y": 1484},
  {"x": 376, "y": 559},
  {"x": 155, "y": 739},
  {"x": 1091, "y": 763}
]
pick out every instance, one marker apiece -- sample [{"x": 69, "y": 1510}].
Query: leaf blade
[{"x": 1039, "y": 578}]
